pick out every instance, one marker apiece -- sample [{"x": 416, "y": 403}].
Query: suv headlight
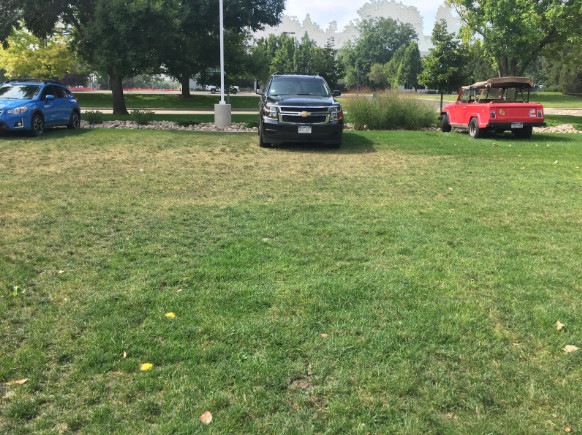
[
  {"x": 270, "y": 112},
  {"x": 17, "y": 110},
  {"x": 335, "y": 113}
]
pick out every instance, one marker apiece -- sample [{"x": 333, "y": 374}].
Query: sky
[{"x": 323, "y": 12}]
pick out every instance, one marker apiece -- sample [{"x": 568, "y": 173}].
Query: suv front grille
[
  {"x": 295, "y": 119},
  {"x": 304, "y": 115}
]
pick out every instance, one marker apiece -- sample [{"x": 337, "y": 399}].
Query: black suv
[{"x": 299, "y": 108}]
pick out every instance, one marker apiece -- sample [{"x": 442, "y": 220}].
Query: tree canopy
[
  {"x": 515, "y": 32},
  {"x": 378, "y": 41},
  {"x": 445, "y": 66}
]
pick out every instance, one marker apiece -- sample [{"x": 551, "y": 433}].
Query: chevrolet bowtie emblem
[{"x": 304, "y": 114}]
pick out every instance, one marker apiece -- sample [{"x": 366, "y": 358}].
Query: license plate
[
  {"x": 517, "y": 125},
  {"x": 305, "y": 129}
]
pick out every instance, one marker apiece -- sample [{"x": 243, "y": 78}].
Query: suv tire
[
  {"x": 37, "y": 124},
  {"x": 74, "y": 121}
]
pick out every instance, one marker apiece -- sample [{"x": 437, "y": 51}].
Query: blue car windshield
[
  {"x": 19, "y": 92},
  {"x": 298, "y": 86}
]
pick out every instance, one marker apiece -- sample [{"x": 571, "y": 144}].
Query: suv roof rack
[{"x": 295, "y": 73}]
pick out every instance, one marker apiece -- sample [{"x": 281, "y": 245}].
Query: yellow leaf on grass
[
  {"x": 206, "y": 418},
  {"x": 568, "y": 429},
  {"x": 559, "y": 325},
  {"x": 145, "y": 367},
  {"x": 324, "y": 335},
  {"x": 124, "y": 355},
  {"x": 571, "y": 348},
  {"x": 19, "y": 382},
  {"x": 170, "y": 315}
]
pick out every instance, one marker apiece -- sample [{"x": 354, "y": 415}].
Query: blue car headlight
[{"x": 17, "y": 110}]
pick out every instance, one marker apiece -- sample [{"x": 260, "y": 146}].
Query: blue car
[{"x": 34, "y": 105}]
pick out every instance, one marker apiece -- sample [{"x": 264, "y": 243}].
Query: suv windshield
[
  {"x": 19, "y": 92},
  {"x": 298, "y": 86}
]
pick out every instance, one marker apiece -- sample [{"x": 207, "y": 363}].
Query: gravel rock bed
[
  {"x": 168, "y": 125},
  {"x": 241, "y": 128}
]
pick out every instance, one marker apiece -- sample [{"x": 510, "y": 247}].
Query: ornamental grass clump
[
  {"x": 390, "y": 111},
  {"x": 93, "y": 117},
  {"x": 142, "y": 117}
]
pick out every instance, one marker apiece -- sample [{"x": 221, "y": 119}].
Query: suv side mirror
[
  {"x": 336, "y": 93},
  {"x": 260, "y": 92},
  {"x": 49, "y": 97}
]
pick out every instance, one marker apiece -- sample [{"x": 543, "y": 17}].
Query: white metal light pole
[
  {"x": 222, "y": 112},
  {"x": 220, "y": 3}
]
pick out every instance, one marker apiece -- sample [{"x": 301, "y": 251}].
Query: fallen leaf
[
  {"x": 60, "y": 272},
  {"x": 145, "y": 367},
  {"x": 171, "y": 315},
  {"x": 124, "y": 355},
  {"x": 324, "y": 335},
  {"x": 19, "y": 382},
  {"x": 556, "y": 162},
  {"x": 559, "y": 325},
  {"x": 179, "y": 290},
  {"x": 206, "y": 418},
  {"x": 571, "y": 348},
  {"x": 568, "y": 429}
]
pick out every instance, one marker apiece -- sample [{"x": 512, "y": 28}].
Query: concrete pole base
[{"x": 222, "y": 115}]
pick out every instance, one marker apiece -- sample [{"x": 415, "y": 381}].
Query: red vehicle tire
[{"x": 474, "y": 131}]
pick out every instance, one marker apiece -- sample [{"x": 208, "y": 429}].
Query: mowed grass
[
  {"x": 409, "y": 282},
  {"x": 162, "y": 101}
]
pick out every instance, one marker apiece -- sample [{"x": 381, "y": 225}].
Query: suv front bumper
[{"x": 274, "y": 131}]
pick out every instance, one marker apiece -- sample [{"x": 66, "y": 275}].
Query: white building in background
[{"x": 375, "y": 8}]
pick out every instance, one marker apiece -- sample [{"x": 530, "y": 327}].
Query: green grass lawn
[
  {"x": 161, "y": 101},
  {"x": 553, "y": 120},
  {"x": 409, "y": 282}
]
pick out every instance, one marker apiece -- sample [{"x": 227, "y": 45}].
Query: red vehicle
[{"x": 499, "y": 104}]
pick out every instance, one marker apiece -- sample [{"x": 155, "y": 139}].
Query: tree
[
  {"x": 121, "y": 37},
  {"x": 378, "y": 40},
  {"x": 515, "y": 32},
  {"x": 284, "y": 54},
  {"x": 27, "y": 55},
  {"x": 445, "y": 66},
  {"x": 411, "y": 65},
  {"x": 562, "y": 68},
  {"x": 326, "y": 64},
  {"x": 197, "y": 45}
]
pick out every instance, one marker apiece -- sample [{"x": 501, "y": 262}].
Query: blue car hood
[{"x": 9, "y": 104}]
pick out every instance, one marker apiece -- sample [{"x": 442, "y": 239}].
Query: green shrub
[
  {"x": 142, "y": 117},
  {"x": 93, "y": 117},
  {"x": 251, "y": 124},
  {"x": 390, "y": 111}
]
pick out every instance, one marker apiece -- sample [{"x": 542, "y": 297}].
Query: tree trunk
[
  {"x": 441, "y": 111},
  {"x": 185, "y": 82},
  {"x": 117, "y": 93}
]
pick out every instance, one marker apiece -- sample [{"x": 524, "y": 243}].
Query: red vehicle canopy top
[{"x": 503, "y": 82}]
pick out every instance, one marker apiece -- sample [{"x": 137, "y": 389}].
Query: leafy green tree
[
  {"x": 27, "y": 55},
  {"x": 197, "y": 47},
  {"x": 445, "y": 67},
  {"x": 562, "y": 68},
  {"x": 515, "y": 32},
  {"x": 326, "y": 64},
  {"x": 120, "y": 37},
  {"x": 378, "y": 41},
  {"x": 411, "y": 65}
]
